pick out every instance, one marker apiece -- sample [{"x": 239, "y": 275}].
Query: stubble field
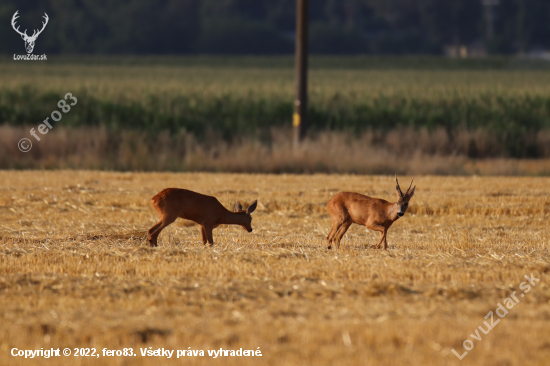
[{"x": 76, "y": 271}]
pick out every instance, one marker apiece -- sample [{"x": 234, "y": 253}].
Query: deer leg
[
  {"x": 165, "y": 221},
  {"x": 341, "y": 232},
  {"x": 203, "y": 235},
  {"x": 333, "y": 230},
  {"x": 385, "y": 241},
  {"x": 209, "y": 237},
  {"x": 377, "y": 246},
  {"x": 382, "y": 234},
  {"x": 151, "y": 231}
]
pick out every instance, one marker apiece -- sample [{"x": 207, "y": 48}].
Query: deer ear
[
  {"x": 238, "y": 206},
  {"x": 411, "y": 193},
  {"x": 252, "y": 207}
]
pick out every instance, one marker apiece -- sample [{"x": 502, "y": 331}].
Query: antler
[
  {"x": 43, "y": 26},
  {"x": 397, "y": 187},
  {"x": 15, "y": 16},
  {"x": 410, "y": 185}
]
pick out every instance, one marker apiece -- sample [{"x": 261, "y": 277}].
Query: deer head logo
[{"x": 29, "y": 41}]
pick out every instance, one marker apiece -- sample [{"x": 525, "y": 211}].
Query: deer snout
[
  {"x": 400, "y": 214},
  {"x": 250, "y": 230}
]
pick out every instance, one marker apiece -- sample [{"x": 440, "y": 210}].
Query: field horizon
[{"x": 76, "y": 271}]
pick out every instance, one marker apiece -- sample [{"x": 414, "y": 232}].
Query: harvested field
[{"x": 76, "y": 272}]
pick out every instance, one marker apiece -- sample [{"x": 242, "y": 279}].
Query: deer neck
[
  {"x": 392, "y": 212},
  {"x": 233, "y": 218}
]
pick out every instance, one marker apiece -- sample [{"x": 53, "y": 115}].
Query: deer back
[
  {"x": 188, "y": 205},
  {"x": 359, "y": 208}
]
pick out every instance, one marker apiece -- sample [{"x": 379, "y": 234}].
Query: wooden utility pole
[
  {"x": 299, "y": 118},
  {"x": 490, "y": 17}
]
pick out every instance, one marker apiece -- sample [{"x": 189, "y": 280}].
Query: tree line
[{"x": 267, "y": 26}]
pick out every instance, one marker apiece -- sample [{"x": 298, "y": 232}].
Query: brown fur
[
  {"x": 206, "y": 211},
  {"x": 376, "y": 214}
]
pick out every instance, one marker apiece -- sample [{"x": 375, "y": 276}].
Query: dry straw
[{"x": 76, "y": 271}]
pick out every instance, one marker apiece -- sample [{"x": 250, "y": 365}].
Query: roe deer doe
[
  {"x": 206, "y": 211},
  {"x": 376, "y": 214}
]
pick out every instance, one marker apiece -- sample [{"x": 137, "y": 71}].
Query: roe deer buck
[
  {"x": 206, "y": 211},
  {"x": 376, "y": 214}
]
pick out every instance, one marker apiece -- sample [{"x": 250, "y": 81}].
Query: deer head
[
  {"x": 246, "y": 218},
  {"x": 403, "y": 199},
  {"x": 29, "y": 41}
]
